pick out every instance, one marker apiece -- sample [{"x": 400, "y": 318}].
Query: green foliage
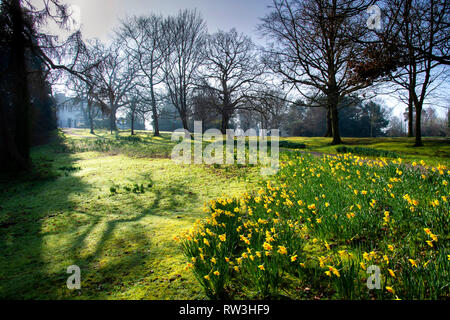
[
  {"x": 210, "y": 255},
  {"x": 137, "y": 188},
  {"x": 129, "y": 138},
  {"x": 226, "y": 244},
  {"x": 324, "y": 221}
]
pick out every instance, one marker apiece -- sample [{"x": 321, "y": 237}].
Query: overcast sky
[{"x": 99, "y": 17}]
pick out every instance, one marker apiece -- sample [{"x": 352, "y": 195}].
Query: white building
[{"x": 68, "y": 114}]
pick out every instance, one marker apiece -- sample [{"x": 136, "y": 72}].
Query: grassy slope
[{"x": 124, "y": 242}]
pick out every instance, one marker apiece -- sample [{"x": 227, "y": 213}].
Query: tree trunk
[
  {"x": 184, "y": 121},
  {"x": 91, "y": 120},
  {"x": 112, "y": 120},
  {"x": 335, "y": 121},
  {"x": 132, "y": 122},
  {"x": 92, "y": 126},
  {"x": 333, "y": 102},
  {"x": 155, "y": 123},
  {"x": 410, "y": 117},
  {"x": 418, "y": 142},
  {"x": 225, "y": 122},
  {"x": 155, "y": 114},
  {"x": 329, "y": 132},
  {"x": 10, "y": 159},
  {"x": 20, "y": 93}
]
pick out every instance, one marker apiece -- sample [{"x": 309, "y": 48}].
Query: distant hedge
[
  {"x": 367, "y": 152},
  {"x": 292, "y": 145}
]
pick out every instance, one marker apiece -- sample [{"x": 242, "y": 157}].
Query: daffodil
[
  {"x": 413, "y": 262},
  {"x": 334, "y": 271},
  {"x": 282, "y": 250},
  {"x": 366, "y": 256}
]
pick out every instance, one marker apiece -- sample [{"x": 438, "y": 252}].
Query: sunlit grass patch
[
  {"x": 434, "y": 151},
  {"x": 123, "y": 242}
]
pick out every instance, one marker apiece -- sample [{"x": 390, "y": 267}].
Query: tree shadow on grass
[
  {"x": 123, "y": 251},
  {"x": 30, "y": 207},
  {"x": 45, "y": 227}
]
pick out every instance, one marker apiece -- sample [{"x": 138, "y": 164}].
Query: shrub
[{"x": 291, "y": 145}]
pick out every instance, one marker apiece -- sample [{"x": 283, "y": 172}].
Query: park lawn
[
  {"x": 83, "y": 215},
  {"x": 112, "y": 205},
  {"x": 435, "y": 150}
]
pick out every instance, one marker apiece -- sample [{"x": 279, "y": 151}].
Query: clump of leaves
[
  {"x": 113, "y": 190},
  {"x": 137, "y": 188}
]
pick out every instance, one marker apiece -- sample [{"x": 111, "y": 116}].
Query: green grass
[
  {"x": 80, "y": 207},
  {"x": 122, "y": 242},
  {"x": 434, "y": 151}
]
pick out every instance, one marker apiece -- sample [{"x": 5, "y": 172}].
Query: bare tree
[
  {"x": 271, "y": 107},
  {"x": 439, "y": 21},
  {"x": 136, "y": 108},
  {"x": 231, "y": 71},
  {"x": 204, "y": 110},
  {"x": 113, "y": 78},
  {"x": 419, "y": 24},
  {"x": 184, "y": 35},
  {"x": 395, "y": 128},
  {"x": 143, "y": 37},
  {"x": 311, "y": 47},
  {"x": 85, "y": 88},
  {"x": 85, "y": 96},
  {"x": 410, "y": 50}
]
